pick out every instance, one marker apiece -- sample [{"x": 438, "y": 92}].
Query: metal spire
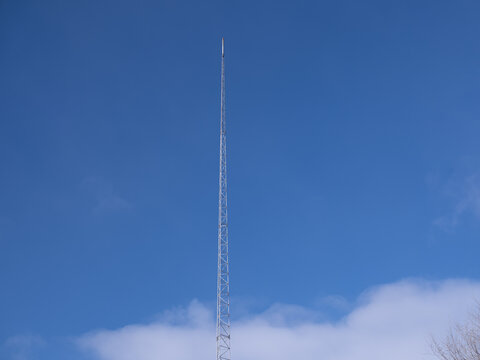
[{"x": 223, "y": 286}]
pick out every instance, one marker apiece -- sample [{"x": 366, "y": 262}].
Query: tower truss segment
[{"x": 223, "y": 284}]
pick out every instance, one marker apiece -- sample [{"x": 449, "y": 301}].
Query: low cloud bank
[{"x": 393, "y": 321}]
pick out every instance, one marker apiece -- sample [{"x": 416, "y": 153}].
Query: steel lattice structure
[{"x": 223, "y": 285}]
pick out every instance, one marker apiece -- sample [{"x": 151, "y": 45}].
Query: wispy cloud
[
  {"x": 106, "y": 199},
  {"x": 22, "y": 347},
  {"x": 466, "y": 201},
  {"x": 391, "y": 322}
]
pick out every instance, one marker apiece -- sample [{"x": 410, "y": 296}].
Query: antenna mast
[{"x": 223, "y": 285}]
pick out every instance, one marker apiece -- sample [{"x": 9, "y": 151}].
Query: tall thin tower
[{"x": 223, "y": 285}]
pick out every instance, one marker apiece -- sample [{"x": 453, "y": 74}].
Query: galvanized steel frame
[{"x": 223, "y": 285}]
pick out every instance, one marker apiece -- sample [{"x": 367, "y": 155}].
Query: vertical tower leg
[{"x": 223, "y": 286}]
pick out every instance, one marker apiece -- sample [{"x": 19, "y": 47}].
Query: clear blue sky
[{"x": 353, "y": 153}]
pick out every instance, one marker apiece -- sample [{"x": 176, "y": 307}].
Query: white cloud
[
  {"x": 22, "y": 347},
  {"x": 466, "y": 198},
  {"x": 110, "y": 203},
  {"x": 106, "y": 200},
  {"x": 392, "y": 322}
]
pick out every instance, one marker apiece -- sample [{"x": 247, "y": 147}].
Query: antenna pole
[{"x": 223, "y": 285}]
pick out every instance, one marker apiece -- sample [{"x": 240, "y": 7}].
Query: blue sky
[{"x": 352, "y": 151}]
